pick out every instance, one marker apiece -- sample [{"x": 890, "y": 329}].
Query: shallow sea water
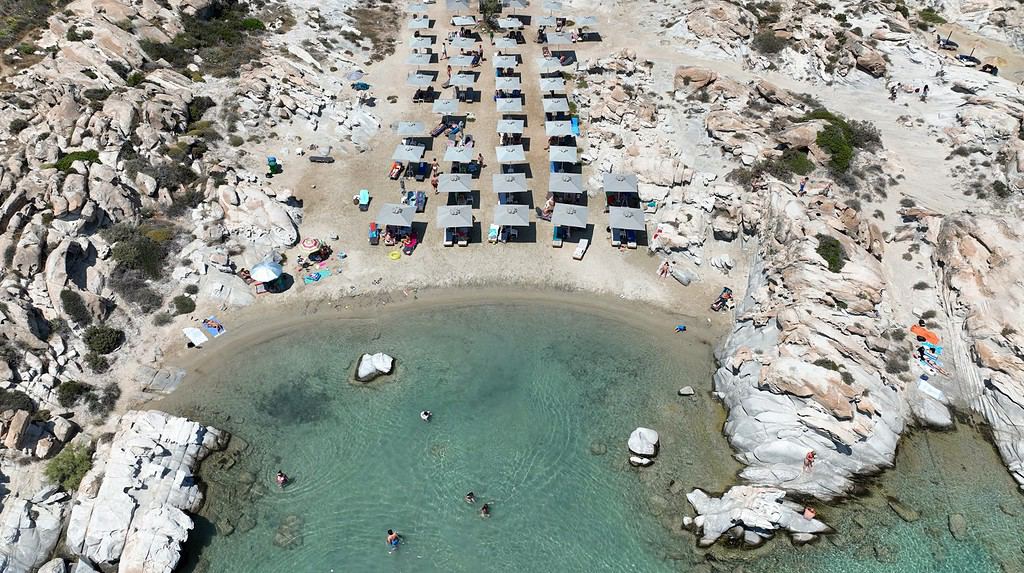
[{"x": 532, "y": 407}]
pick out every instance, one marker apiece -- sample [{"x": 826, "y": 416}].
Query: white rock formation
[
  {"x": 131, "y": 506},
  {"x": 30, "y": 528},
  {"x": 643, "y": 442},
  {"x": 373, "y": 365},
  {"x": 751, "y": 514}
]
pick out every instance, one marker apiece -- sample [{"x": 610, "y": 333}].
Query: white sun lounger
[{"x": 581, "y": 249}]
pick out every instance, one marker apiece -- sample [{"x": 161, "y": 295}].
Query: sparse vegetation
[
  {"x": 141, "y": 248},
  {"x": 832, "y": 251},
  {"x": 767, "y": 42},
  {"x": 69, "y": 467},
  {"x": 162, "y": 319},
  {"x": 15, "y": 400},
  {"x": 930, "y": 16},
  {"x": 183, "y": 304},
  {"x": 17, "y": 125},
  {"x": 929, "y": 314},
  {"x": 70, "y": 392},
  {"x": 841, "y": 138},
  {"x": 98, "y": 364},
  {"x": 103, "y": 339},
  {"x": 64, "y": 163},
  {"x": 191, "y": 289},
  {"x": 225, "y": 39},
  {"x": 74, "y": 307}
]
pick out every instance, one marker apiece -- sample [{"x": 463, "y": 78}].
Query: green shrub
[
  {"x": 797, "y": 162},
  {"x": 191, "y": 289},
  {"x": 183, "y": 304},
  {"x": 198, "y": 107},
  {"x": 920, "y": 285},
  {"x": 18, "y": 125},
  {"x": 103, "y": 339},
  {"x": 74, "y": 35},
  {"x": 64, "y": 163},
  {"x": 767, "y": 42},
  {"x": 69, "y": 467},
  {"x": 183, "y": 201},
  {"x": 833, "y": 140},
  {"x": 134, "y": 79},
  {"x": 96, "y": 94},
  {"x": 98, "y": 364},
  {"x": 931, "y": 16},
  {"x": 119, "y": 68},
  {"x": 74, "y": 307},
  {"x": 929, "y": 314},
  {"x": 132, "y": 286},
  {"x": 70, "y": 392},
  {"x": 101, "y": 404},
  {"x": 1000, "y": 189},
  {"x": 826, "y": 363},
  {"x": 162, "y": 319},
  {"x": 235, "y": 140},
  {"x": 15, "y": 400},
  {"x": 830, "y": 249}
]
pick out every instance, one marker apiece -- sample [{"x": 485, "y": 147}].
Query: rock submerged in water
[
  {"x": 643, "y": 442},
  {"x": 905, "y": 512},
  {"x": 958, "y": 526},
  {"x": 372, "y": 366},
  {"x": 686, "y": 391}
]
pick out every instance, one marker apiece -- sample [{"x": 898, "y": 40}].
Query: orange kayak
[{"x": 923, "y": 332}]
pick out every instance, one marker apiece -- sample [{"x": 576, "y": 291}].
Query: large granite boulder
[
  {"x": 643, "y": 442},
  {"x": 371, "y": 366}
]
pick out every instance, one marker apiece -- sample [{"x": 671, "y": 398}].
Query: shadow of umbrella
[{"x": 282, "y": 284}]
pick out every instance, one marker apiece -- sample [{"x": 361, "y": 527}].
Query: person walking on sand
[
  {"x": 449, "y": 71},
  {"x": 444, "y": 51},
  {"x": 480, "y": 160}
]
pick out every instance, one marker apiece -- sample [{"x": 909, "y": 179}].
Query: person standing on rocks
[
  {"x": 803, "y": 184},
  {"x": 809, "y": 460}
]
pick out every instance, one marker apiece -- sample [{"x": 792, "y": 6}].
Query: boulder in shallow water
[
  {"x": 958, "y": 526},
  {"x": 639, "y": 461},
  {"x": 686, "y": 391},
  {"x": 644, "y": 442},
  {"x": 905, "y": 512},
  {"x": 373, "y": 365}
]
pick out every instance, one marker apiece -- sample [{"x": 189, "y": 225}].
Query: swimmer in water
[
  {"x": 282, "y": 479},
  {"x": 426, "y": 415},
  {"x": 485, "y": 510},
  {"x": 393, "y": 541},
  {"x": 470, "y": 498}
]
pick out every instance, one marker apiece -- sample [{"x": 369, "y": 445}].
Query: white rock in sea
[
  {"x": 686, "y": 391},
  {"x": 759, "y": 511},
  {"x": 638, "y": 461},
  {"x": 130, "y": 509},
  {"x": 644, "y": 442},
  {"x": 373, "y": 365}
]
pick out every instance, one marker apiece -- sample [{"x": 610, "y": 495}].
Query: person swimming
[
  {"x": 426, "y": 415},
  {"x": 393, "y": 541},
  {"x": 485, "y": 510},
  {"x": 470, "y": 497},
  {"x": 282, "y": 479}
]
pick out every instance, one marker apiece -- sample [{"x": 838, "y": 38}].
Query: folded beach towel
[{"x": 313, "y": 278}]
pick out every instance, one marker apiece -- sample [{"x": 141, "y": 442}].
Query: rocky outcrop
[
  {"x": 131, "y": 508},
  {"x": 372, "y": 366},
  {"x": 751, "y": 515},
  {"x": 30, "y": 528}
]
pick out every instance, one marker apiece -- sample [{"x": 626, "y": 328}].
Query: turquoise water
[{"x": 532, "y": 408}]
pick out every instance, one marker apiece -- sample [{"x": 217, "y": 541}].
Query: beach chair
[
  {"x": 449, "y": 237},
  {"x": 409, "y": 247},
  {"x": 631, "y": 239},
  {"x": 556, "y": 237},
  {"x": 422, "y": 170},
  {"x": 575, "y": 126},
  {"x": 503, "y": 234},
  {"x": 421, "y": 201},
  {"x": 492, "y": 234},
  {"x": 364, "y": 200},
  {"x": 439, "y": 129},
  {"x": 513, "y": 234},
  {"x": 396, "y": 170},
  {"x": 616, "y": 242},
  {"x": 581, "y": 249},
  {"x": 463, "y": 237},
  {"x": 409, "y": 198},
  {"x": 374, "y": 234}
]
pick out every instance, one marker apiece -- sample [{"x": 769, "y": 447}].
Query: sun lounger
[
  {"x": 396, "y": 170},
  {"x": 374, "y": 233},
  {"x": 422, "y": 170},
  {"x": 616, "y": 241},
  {"x": 463, "y": 238},
  {"x": 503, "y": 234},
  {"x": 449, "y": 237},
  {"x": 421, "y": 201},
  {"x": 364, "y": 200},
  {"x": 631, "y": 239},
  {"x": 575, "y": 125},
  {"x": 439, "y": 129},
  {"x": 492, "y": 234},
  {"x": 556, "y": 237},
  {"x": 581, "y": 249}
]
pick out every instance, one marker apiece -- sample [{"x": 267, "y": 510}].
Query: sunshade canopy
[
  {"x": 459, "y": 153},
  {"x": 419, "y": 80},
  {"x": 556, "y": 85},
  {"x": 505, "y": 43},
  {"x": 455, "y": 183},
  {"x": 509, "y": 104},
  {"x": 418, "y": 59},
  {"x": 566, "y": 215},
  {"x": 557, "y": 128},
  {"x": 505, "y": 61},
  {"x": 558, "y": 38},
  {"x": 510, "y": 154},
  {"x": 548, "y": 64},
  {"x": 619, "y": 183},
  {"x": 514, "y": 4},
  {"x": 565, "y": 183},
  {"x": 460, "y": 43},
  {"x": 266, "y": 271},
  {"x": 556, "y": 105},
  {"x": 457, "y": 5},
  {"x": 462, "y": 80},
  {"x": 586, "y": 21},
  {"x": 552, "y": 5},
  {"x": 564, "y": 154},
  {"x": 460, "y": 61},
  {"x": 508, "y": 83},
  {"x": 547, "y": 21},
  {"x": 509, "y": 182},
  {"x": 512, "y": 215},
  {"x": 626, "y": 218},
  {"x": 396, "y": 215},
  {"x": 410, "y": 128},
  {"x": 419, "y": 23},
  {"x": 456, "y": 216},
  {"x": 421, "y": 42},
  {"x": 511, "y": 125},
  {"x": 463, "y": 21},
  {"x": 510, "y": 23},
  {"x": 446, "y": 106},
  {"x": 417, "y": 8},
  {"x": 408, "y": 153}
]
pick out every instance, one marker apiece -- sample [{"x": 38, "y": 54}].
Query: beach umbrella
[
  {"x": 563, "y": 154},
  {"x": 354, "y": 76},
  {"x": 566, "y": 215},
  {"x": 558, "y": 38},
  {"x": 509, "y": 104},
  {"x": 626, "y": 218},
  {"x": 446, "y": 106},
  {"x": 555, "y": 105},
  {"x": 419, "y": 80},
  {"x": 410, "y": 128},
  {"x": 509, "y": 182},
  {"x": 619, "y": 183},
  {"x": 455, "y": 183},
  {"x": 548, "y": 64},
  {"x": 458, "y": 153},
  {"x": 547, "y": 21},
  {"x": 586, "y": 21},
  {"x": 457, "y": 216},
  {"x": 505, "y": 61},
  {"x": 557, "y": 128},
  {"x": 266, "y": 271},
  {"x": 408, "y": 153},
  {"x": 507, "y": 83},
  {"x": 195, "y": 336},
  {"x": 310, "y": 245},
  {"x": 457, "y": 5},
  {"x": 420, "y": 42},
  {"x": 417, "y": 8},
  {"x": 396, "y": 214},
  {"x": 510, "y": 154},
  {"x": 552, "y": 6},
  {"x": 512, "y": 215},
  {"x": 419, "y": 59},
  {"x": 510, "y": 23},
  {"x": 511, "y": 125},
  {"x": 462, "y": 80},
  {"x": 419, "y": 23},
  {"x": 461, "y": 43},
  {"x": 505, "y": 43},
  {"x": 556, "y": 85},
  {"x": 460, "y": 61},
  {"x": 463, "y": 21},
  {"x": 565, "y": 183},
  {"x": 514, "y": 4}
]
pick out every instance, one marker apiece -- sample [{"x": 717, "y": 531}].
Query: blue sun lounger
[
  {"x": 364, "y": 200},
  {"x": 575, "y": 126}
]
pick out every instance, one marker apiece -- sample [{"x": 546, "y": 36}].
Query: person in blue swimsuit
[{"x": 393, "y": 541}]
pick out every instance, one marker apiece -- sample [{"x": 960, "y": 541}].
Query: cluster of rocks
[
  {"x": 751, "y": 515},
  {"x": 29, "y": 530},
  {"x": 643, "y": 444},
  {"x": 372, "y": 366},
  {"x": 21, "y": 432}
]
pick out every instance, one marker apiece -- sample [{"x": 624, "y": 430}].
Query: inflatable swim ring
[{"x": 395, "y": 255}]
